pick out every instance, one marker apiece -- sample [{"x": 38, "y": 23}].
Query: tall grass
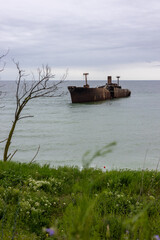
[{"x": 39, "y": 202}]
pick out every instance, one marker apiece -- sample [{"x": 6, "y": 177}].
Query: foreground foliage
[{"x": 66, "y": 203}]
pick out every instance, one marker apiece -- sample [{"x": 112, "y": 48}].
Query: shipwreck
[{"x": 92, "y": 94}]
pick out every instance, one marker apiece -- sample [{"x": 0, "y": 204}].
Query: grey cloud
[{"x": 83, "y": 33}]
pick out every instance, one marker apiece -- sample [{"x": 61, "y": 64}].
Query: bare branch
[
  {"x": 25, "y": 117},
  {"x": 2, "y": 69},
  {"x": 8, "y": 156},
  {"x": 12, "y": 155},
  {"x": 3, "y": 140},
  {"x": 28, "y": 91},
  {"x": 4, "y": 64},
  {"x": 5, "y": 54},
  {"x": 35, "y": 155},
  {"x": 20, "y": 75}
]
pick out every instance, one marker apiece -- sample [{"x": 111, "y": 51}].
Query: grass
[{"x": 39, "y": 202}]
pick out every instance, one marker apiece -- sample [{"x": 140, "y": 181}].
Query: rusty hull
[
  {"x": 121, "y": 93},
  {"x": 86, "y": 94},
  {"x": 83, "y": 94}
]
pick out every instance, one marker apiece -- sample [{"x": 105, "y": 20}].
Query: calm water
[{"x": 65, "y": 131}]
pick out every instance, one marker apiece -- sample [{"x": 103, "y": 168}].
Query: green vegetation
[{"x": 67, "y": 203}]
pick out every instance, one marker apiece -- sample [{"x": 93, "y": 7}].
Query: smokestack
[
  {"x": 109, "y": 79},
  {"x": 118, "y": 77},
  {"x": 86, "y": 74}
]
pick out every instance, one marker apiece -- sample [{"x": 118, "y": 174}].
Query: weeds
[
  {"x": 87, "y": 159},
  {"x": 67, "y": 203}
]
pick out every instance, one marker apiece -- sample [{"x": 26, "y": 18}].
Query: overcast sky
[{"x": 102, "y": 37}]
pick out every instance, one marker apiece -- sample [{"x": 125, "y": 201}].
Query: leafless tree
[{"x": 25, "y": 92}]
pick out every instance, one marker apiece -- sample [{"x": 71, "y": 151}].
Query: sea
[{"x": 64, "y": 134}]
